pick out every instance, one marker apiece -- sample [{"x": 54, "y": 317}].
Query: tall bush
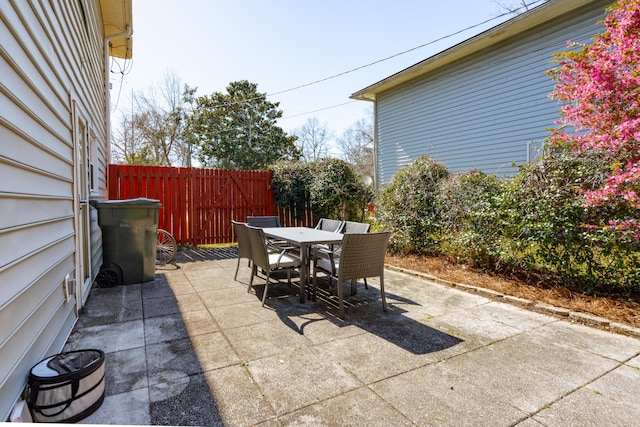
[
  {"x": 337, "y": 192},
  {"x": 468, "y": 209},
  {"x": 546, "y": 225},
  {"x": 330, "y": 186},
  {"x": 290, "y": 184},
  {"x": 600, "y": 85},
  {"x": 407, "y": 206}
]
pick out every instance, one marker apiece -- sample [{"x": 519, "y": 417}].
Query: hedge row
[
  {"x": 330, "y": 185},
  {"x": 534, "y": 222},
  {"x": 537, "y": 221}
]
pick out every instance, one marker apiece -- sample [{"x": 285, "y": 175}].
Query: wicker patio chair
[
  {"x": 244, "y": 244},
  {"x": 264, "y": 221},
  {"x": 269, "y": 261},
  {"x": 362, "y": 255},
  {"x": 349, "y": 227},
  {"x": 355, "y": 227},
  {"x": 327, "y": 224}
]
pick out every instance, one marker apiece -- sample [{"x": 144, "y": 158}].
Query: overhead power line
[
  {"x": 520, "y": 9},
  {"x": 406, "y": 51},
  {"x": 319, "y": 109},
  {"x": 370, "y": 64}
]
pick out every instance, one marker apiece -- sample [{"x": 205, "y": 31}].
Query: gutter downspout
[
  {"x": 376, "y": 178},
  {"x": 374, "y": 100},
  {"x": 107, "y": 44}
]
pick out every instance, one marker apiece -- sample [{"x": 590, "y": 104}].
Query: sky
[{"x": 281, "y": 45}]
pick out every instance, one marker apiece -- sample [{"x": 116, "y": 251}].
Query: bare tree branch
[
  {"x": 313, "y": 140},
  {"x": 356, "y": 144},
  {"x": 152, "y": 133},
  {"x": 516, "y": 7}
]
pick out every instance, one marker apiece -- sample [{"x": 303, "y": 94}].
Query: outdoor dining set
[{"x": 341, "y": 250}]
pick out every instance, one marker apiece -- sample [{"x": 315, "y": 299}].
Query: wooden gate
[{"x": 197, "y": 204}]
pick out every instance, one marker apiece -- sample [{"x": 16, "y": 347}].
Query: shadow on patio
[
  {"x": 364, "y": 309},
  {"x": 184, "y": 348}
]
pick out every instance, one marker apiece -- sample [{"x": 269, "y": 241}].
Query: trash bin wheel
[
  {"x": 166, "y": 247},
  {"x": 109, "y": 276}
]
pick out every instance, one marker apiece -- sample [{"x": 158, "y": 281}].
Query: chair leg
[
  {"x": 384, "y": 298},
  {"x": 340, "y": 287},
  {"x": 253, "y": 273},
  {"x": 266, "y": 287},
  {"x": 237, "y": 268},
  {"x": 354, "y": 286},
  {"x": 314, "y": 283},
  {"x": 331, "y": 289}
]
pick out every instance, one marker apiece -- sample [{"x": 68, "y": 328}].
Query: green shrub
[
  {"x": 290, "y": 184},
  {"x": 407, "y": 207},
  {"x": 546, "y": 224},
  {"x": 337, "y": 192},
  {"x": 468, "y": 208},
  {"x": 329, "y": 186}
]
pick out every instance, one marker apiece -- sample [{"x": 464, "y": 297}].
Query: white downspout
[
  {"x": 107, "y": 42},
  {"x": 376, "y": 178}
]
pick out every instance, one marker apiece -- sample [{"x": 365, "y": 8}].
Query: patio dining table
[{"x": 304, "y": 238}]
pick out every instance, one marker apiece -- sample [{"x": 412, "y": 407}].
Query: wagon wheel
[
  {"x": 166, "y": 247},
  {"x": 109, "y": 276}
]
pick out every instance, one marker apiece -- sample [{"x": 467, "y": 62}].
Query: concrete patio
[{"x": 194, "y": 348}]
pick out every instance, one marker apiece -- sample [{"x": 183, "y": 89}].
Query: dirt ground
[{"x": 616, "y": 308}]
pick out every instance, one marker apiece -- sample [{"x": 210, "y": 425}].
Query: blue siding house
[{"x": 482, "y": 104}]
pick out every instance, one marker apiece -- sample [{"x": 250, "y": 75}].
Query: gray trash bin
[{"x": 129, "y": 228}]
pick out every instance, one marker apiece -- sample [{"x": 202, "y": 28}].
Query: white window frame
[{"x": 535, "y": 149}]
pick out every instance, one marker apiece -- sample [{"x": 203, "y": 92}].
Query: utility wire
[
  {"x": 406, "y": 51},
  {"x": 125, "y": 69},
  {"x": 517, "y": 10},
  {"x": 319, "y": 109}
]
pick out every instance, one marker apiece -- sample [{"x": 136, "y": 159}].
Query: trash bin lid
[{"x": 140, "y": 201}]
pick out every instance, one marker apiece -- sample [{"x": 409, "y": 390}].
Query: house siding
[
  {"x": 51, "y": 66},
  {"x": 479, "y": 112}
]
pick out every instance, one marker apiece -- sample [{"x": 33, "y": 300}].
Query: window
[{"x": 535, "y": 150}]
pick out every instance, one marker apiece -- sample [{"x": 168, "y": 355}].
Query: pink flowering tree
[{"x": 599, "y": 84}]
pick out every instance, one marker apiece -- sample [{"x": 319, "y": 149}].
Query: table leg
[{"x": 303, "y": 272}]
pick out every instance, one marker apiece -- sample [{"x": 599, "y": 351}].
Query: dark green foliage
[
  {"x": 468, "y": 210},
  {"x": 536, "y": 222},
  {"x": 237, "y": 129},
  {"x": 330, "y": 185},
  {"x": 290, "y": 185},
  {"x": 546, "y": 223},
  {"x": 337, "y": 192},
  {"x": 407, "y": 207}
]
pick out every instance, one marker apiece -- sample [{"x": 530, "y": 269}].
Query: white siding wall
[
  {"x": 481, "y": 112},
  {"x": 51, "y": 55}
]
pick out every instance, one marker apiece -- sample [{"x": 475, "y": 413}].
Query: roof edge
[
  {"x": 117, "y": 18},
  {"x": 523, "y": 22}
]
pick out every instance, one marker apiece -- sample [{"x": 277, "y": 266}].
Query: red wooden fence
[{"x": 197, "y": 204}]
